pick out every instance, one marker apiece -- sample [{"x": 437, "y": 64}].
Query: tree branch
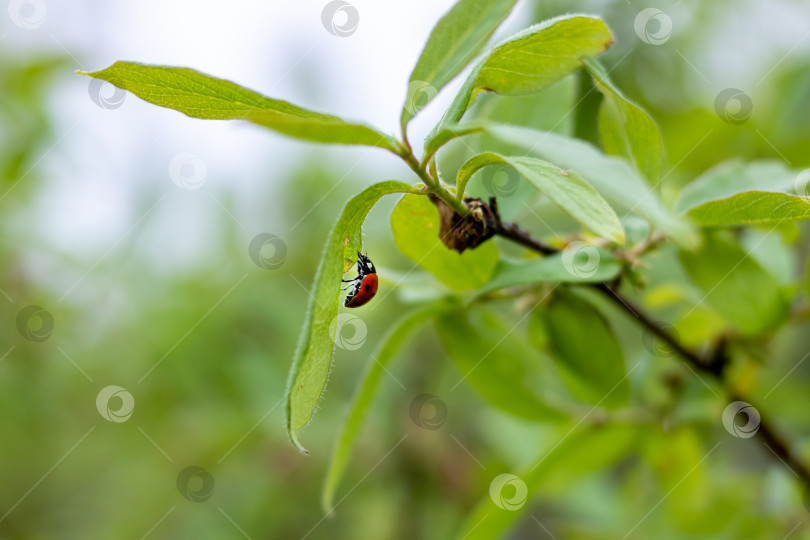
[{"x": 713, "y": 365}]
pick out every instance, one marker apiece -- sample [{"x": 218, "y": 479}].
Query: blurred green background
[{"x": 151, "y": 287}]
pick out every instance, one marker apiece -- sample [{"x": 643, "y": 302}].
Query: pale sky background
[{"x": 104, "y": 163}]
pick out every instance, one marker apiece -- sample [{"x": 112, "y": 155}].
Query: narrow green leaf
[
  {"x": 505, "y": 371},
  {"x": 733, "y": 284},
  {"x": 531, "y": 61},
  {"x": 583, "y": 264},
  {"x": 586, "y": 350},
  {"x": 201, "y": 96},
  {"x": 574, "y": 453},
  {"x": 733, "y": 177},
  {"x": 415, "y": 224},
  {"x": 762, "y": 207},
  {"x": 625, "y": 128},
  {"x": 367, "y": 386},
  {"x": 611, "y": 176},
  {"x": 566, "y": 188},
  {"x": 313, "y": 357},
  {"x": 456, "y": 39}
]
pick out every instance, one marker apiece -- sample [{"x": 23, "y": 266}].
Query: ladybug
[{"x": 364, "y": 286}]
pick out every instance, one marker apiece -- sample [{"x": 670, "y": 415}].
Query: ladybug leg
[{"x": 351, "y": 283}]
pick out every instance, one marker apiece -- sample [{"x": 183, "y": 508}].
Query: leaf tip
[
  {"x": 293, "y": 434},
  {"x": 327, "y": 504},
  {"x": 294, "y": 440}
]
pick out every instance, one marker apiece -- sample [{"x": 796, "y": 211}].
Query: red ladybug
[{"x": 364, "y": 286}]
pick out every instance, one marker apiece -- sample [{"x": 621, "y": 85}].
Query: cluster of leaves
[{"x": 729, "y": 293}]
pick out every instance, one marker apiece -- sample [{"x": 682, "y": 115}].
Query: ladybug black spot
[{"x": 368, "y": 287}]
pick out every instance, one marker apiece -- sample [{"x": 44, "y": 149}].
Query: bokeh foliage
[{"x": 215, "y": 400}]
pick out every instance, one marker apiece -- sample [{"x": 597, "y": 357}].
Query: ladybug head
[{"x": 364, "y": 265}]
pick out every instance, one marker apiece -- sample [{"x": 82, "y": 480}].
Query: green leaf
[
  {"x": 539, "y": 56},
  {"x": 367, "y": 386},
  {"x": 611, "y": 176},
  {"x": 496, "y": 362},
  {"x": 201, "y": 96},
  {"x": 574, "y": 453},
  {"x": 735, "y": 285},
  {"x": 566, "y": 188},
  {"x": 625, "y": 128},
  {"x": 532, "y": 60},
  {"x": 733, "y": 177},
  {"x": 456, "y": 39},
  {"x": 761, "y": 207},
  {"x": 313, "y": 357},
  {"x": 415, "y": 224},
  {"x": 582, "y": 264},
  {"x": 586, "y": 350}
]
